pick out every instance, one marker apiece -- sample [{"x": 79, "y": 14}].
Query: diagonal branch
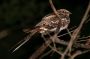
[
  {"x": 54, "y": 9},
  {"x": 39, "y": 51},
  {"x": 76, "y": 32}
]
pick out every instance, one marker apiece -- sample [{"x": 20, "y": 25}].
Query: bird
[
  {"x": 52, "y": 23},
  {"x": 49, "y": 23}
]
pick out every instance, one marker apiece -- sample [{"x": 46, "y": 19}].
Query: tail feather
[
  {"x": 29, "y": 30},
  {"x": 22, "y": 42}
]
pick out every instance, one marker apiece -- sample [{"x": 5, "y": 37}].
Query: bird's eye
[{"x": 63, "y": 11}]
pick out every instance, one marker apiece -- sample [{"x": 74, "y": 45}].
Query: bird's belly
[
  {"x": 43, "y": 29},
  {"x": 62, "y": 28}
]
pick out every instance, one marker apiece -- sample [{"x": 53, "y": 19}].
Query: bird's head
[{"x": 63, "y": 12}]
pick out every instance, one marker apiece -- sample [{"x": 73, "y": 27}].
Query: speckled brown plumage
[{"x": 52, "y": 23}]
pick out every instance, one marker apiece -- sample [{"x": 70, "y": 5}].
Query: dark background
[{"x": 16, "y": 15}]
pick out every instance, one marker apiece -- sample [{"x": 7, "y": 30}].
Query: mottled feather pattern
[
  {"x": 49, "y": 23},
  {"x": 52, "y": 23}
]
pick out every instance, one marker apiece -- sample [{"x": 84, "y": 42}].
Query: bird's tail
[
  {"x": 22, "y": 42},
  {"x": 30, "y": 30}
]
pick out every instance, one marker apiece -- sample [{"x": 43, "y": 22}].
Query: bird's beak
[{"x": 70, "y": 13}]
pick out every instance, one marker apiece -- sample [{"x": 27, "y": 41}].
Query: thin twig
[
  {"x": 53, "y": 48},
  {"x": 75, "y": 54},
  {"x": 65, "y": 34},
  {"x": 46, "y": 54},
  {"x": 78, "y": 53}
]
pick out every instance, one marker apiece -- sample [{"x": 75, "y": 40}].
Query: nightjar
[
  {"x": 52, "y": 23},
  {"x": 49, "y": 23}
]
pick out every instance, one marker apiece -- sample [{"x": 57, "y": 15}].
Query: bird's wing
[{"x": 46, "y": 20}]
